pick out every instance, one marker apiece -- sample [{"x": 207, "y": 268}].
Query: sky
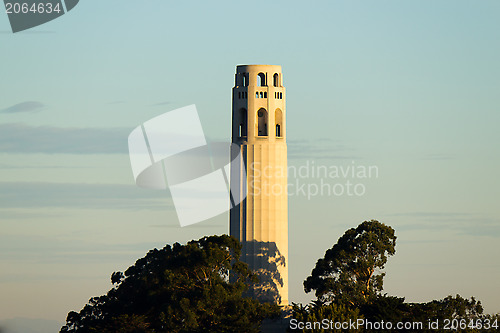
[{"x": 408, "y": 87}]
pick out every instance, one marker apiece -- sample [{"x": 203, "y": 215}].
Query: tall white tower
[{"x": 260, "y": 221}]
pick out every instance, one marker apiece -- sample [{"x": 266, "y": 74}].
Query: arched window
[
  {"x": 278, "y": 118},
  {"x": 262, "y": 122},
  {"x": 244, "y": 78},
  {"x": 242, "y": 129},
  {"x": 261, "y": 80},
  {"x": 276, "y": 80}
]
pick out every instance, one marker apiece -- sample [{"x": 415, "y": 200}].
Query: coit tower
[{"x": 260, "y": 221}]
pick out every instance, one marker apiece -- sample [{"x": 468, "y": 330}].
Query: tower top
[
  {"x": 258, "y": 68},
  {"x": 258, "y": 75}
]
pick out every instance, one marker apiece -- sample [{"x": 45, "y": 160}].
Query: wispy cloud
[
  {"x": 439, "y": 156},
  {"x": 50, "y": 249},
  {"x": 161, "y": 103},
  {"x": 29, "y": 106},
  {"x": 29, "y": 325},
  {"x": 7, "y": 166},
  {"x": 459, "y": 222},
  {"x": 21, "y": 138},
  {"x": 25, "y": 214},
  {"x": 95, "y": 196},
  {"x": 322, "y": 149},
  {"x": 432, "y": 214}
]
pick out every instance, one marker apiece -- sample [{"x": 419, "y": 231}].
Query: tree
[
  {"x": 462, "y": 315},
  {"x": 348, "y": 282},
  {"x": 448, "y": 308},
  {"x": 317, "y": 311},
  {"x": 180, "y": 288},
  {"x": 349, "y": 272}
]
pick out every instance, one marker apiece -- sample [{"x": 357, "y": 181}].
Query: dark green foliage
[
  {"x": 449, "y": 307},
  {"x": 317, "y": 311},
  {"x": 349, "y": 271},
  {"x": 383, "y": 308},
  {"x": 386, "y": 308},
  {"x": 180, "y": 288},
  {"x": 348, "y": 287}
]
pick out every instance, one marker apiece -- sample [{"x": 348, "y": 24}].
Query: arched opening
[
  {"x": 276, "y": 80},
  {"x": 244, "y": 79},
  {"x": 262, "y": 122},
  {"x": 242, "y": 129},
  {"x": 261, "y": 80},
  {"x": 278, "y": 118}
]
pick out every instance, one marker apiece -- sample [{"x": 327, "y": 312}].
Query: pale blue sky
[{"x": 408, "y": 86}]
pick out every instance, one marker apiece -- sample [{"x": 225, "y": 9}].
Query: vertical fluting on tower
[{"x": 260, "y": 221}]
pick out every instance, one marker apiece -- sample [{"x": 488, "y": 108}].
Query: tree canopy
[
  {"x": 348, "y": 282},
  {"x": 349, "y": 272},
  {"x": 180, "y": 288}
]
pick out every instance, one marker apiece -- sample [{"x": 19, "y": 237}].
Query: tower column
[{"x": 260, "y": 221}]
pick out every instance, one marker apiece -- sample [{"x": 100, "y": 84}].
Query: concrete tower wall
[{"x": 260, "y": 222}]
